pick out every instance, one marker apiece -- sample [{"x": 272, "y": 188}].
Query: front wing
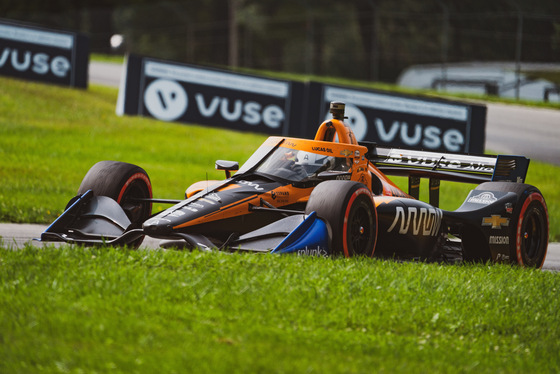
[{"x": 99, "y": 220}]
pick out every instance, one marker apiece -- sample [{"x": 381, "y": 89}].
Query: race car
[{"x": 325, "y": 197}]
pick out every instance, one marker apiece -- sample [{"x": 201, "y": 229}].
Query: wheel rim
[
  {"x": 532, "y": 236},
  {"x": 361, "y": 226},
  {"x": 135, "y": 210}
]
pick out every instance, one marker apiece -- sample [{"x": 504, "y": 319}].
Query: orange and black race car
[{"x": 326, "y": 196}]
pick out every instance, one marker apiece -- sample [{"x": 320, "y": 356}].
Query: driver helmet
[{"x": 311, "y": 161}]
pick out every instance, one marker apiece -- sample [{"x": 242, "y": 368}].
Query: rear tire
[
  {"x": 528, "y": 230},
  {"x": 121, "y": 182},
  {"x": 349, "y": 210}
]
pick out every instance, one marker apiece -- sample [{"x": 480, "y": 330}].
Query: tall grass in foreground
[
  {"x": 50, "y": 136},
  {"x": 81, "y": 310}
]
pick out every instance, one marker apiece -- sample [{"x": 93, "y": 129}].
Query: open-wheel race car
[{"x": 326, "y": 196}]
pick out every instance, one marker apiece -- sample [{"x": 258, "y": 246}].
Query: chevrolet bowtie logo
[{"x": 495, "y": 221}]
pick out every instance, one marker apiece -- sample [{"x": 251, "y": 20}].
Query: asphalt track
[
  {"x": 528, "y": 131},
  {"x": 509, "y": 129}
]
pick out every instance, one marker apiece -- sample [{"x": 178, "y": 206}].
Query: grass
[
  {"x": 87, "y": 310},
  {"x": 50, "y": 136},
  {"x": 114, "y": 58}
]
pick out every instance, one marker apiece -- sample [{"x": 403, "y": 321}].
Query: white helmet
[{"x": 311, "y": 161}]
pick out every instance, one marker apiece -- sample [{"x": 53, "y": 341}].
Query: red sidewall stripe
[
  {"x": 132, "y": 179},
  {"x": 358, "y": 192},
  {"x": 534, "y": 196}
]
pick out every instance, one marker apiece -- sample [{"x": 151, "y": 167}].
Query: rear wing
[{"x": 439, "y": 166}]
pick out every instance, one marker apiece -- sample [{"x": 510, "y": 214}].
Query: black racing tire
[
  {"x": 121, "y": 181},
  {"x": 528, "y": 230},
  {"x": 349, "y": 210}
]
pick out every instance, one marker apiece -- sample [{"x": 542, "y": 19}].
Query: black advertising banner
[
  {"x": 190, "y": 94},
  {"x": 43, "y": 55},
  {"x": 406, "y": 121}
]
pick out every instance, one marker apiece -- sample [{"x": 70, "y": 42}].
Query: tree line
[{"x": 357, "y": 39}]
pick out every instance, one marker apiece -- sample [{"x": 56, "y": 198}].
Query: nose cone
[{"x": 157, "y": 226}]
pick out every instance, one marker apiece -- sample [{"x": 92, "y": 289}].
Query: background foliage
[{"x": 360, "y": 39}]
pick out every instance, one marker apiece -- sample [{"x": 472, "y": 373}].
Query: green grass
[
  {"x": 116, "y": 59},
  {"x": 76, "y": 310},
  {"x": 50, "y": 136}
]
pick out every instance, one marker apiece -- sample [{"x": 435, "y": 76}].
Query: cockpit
[{"x": 301, "y": 166}]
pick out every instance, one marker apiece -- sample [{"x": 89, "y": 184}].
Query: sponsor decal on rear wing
[{"x": 450, "y": 166}]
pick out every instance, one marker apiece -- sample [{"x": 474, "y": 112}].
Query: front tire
[
  {"x": 122, "y": 182},
  {"x": 349, "y": 210}
]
